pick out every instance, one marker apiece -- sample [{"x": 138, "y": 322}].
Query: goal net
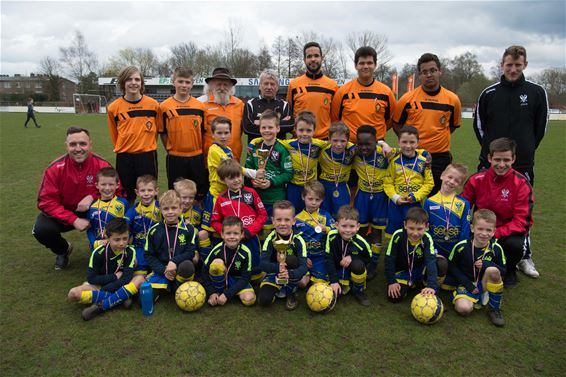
[{"x": 89, "y": 104}]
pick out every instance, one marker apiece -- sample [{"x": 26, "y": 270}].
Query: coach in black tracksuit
[
  {"x": 268, "y": 87},
  {"x": 515, "y": 108}
]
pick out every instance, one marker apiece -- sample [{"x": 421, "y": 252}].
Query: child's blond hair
[{"x": 169, "y": 197}]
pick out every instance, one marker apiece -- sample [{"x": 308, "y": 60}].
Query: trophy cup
[
  {"x": 281, "y": 247},
  {"x": 262, "y": 156}
]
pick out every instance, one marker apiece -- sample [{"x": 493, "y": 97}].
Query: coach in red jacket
[
  {"x": 67, "y": 191},
  {"x": 509, "y": 194}
]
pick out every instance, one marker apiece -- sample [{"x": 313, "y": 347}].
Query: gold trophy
[
  {"x": 262, "y": 156},
  {"x": 281, "y": 247}
]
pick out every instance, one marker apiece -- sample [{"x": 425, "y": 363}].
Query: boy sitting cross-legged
[
  {"x": 228, "y": 267},
  {"x": 110, "y": 276}
]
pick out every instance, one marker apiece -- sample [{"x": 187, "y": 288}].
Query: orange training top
[
  {"x": 183, "y": 123},
  {"x": 356, "y": 104},
  {"x": 133, "y": 125},
  {"x": 433, "y": 114}
]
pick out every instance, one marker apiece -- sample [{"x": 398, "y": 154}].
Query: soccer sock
[
  {"x": 217, "y": 276},
  {"x": 495, "y": 291},
  {"x": 358, "y": 281},
  {"x": 204, "y": 249},
  {"x": 118, "y": 297},
  {"x": 93, "y": 297},
  {"x": 248, "y": 302}
]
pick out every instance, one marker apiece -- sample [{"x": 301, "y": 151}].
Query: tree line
[{"x": 462, "y": 74}]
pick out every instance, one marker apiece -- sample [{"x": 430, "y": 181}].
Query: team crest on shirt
[
  {"x": 523, "y": 98},
  {"x": 148, "y": 125},
  {"x": 504, "y": 194},
  {"x": 442, "y": 120},
  {"x": 195, "y": 122},
  {"x": 182, "y": 239},
  {"x": 325, "y": 101},
  {"x": 248, "y": 198},
  {"x": 89, "y": 179},
  {"x": 237, "y": 264},
  {"x": 377, "y": 107}
]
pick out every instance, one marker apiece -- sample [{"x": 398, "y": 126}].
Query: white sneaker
[{"x": 527, "y": 266}]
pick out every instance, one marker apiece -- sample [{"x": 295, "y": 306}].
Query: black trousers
[
  {"x": 438, "y": 164},
  {"x": 132, "y": 165},
  {"x": 32, "y": 117},
  {"x": 190, "y": 168},
  {"x": 47, "y": 231},
  {"x": 514, "y": 247}
]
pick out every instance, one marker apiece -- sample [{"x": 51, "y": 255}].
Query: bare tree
[
  {"x": 183, "y": 55},
  {"x": 330, "y": 52},
  {"x": 264, "y": 58},
  {"x": 554, "y": 81},
  {"x": 355, "y": 40},
  {"x": 277, "y": 49},
  {"x": 78, "y": 60},
  {"x": 51, "y": 68},
  {"x": 232, "y": 38},
  {"x": 143, "y": 58}
]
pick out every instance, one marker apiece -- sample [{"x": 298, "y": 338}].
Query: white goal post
[{"x": 89, "y": 103}]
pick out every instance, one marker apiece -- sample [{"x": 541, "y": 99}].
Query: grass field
[{"x": 42, "y": 334}]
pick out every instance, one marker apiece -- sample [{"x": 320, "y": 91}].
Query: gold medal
[
  {"x": 446, "y": 237},
  {"x": 336, "y": 193},
  {"x": 317, "y": 229}
]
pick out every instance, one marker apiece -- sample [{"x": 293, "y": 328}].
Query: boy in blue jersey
[
  {"x": 346, "y": 257},
  {"x": 170, "y": 246},
  {"x": 192, "y": 214},
  {"x": 228, "y": 267},
  {"x": 370, "y": 165},
  {"x": 283, "y": 258},
  {"x": 408, "y": 180},
  {"x": 448, "y": 215},
  {"x": 313, "y": 224},
  {"x": 304, "y": 151},
  {"x": 107, "y": 207},
  {"x": 142, "y": 217},
  {"x": 475, "y": 269},
  {"x": 335, "y": 162},
  {"x": 409, "y": 253},
  {"x": 110, "y": 276}
]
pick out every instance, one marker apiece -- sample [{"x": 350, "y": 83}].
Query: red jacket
[
  {"x": 65, "y": 183},
  {"x": 510, "y": 196},
  {"x": 247, "y": 206}
]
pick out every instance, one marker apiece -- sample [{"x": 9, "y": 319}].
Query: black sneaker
[
  {"x": 362, "y": 298},
  {"x": 91, "y": 312},
  {"x": 510, "y": 280},
  {"x": 292, "y": 301},
  {"x": 62, "y": 260},
  {"x": 496, "y": 317}
]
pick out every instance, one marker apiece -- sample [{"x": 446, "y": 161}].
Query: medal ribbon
[
  {"x": 411, "y": 261},
  {"x": 171, "y": 250},
  {"x": 230, "y": 265},
  {"x": 306, "y": 169},
  {"x": 239, "y": 202},
  {"x": 447, "y": 214},
  {"x": 344, "y": 251},
  {"x": 313, "y": 219},
  {"x": 336, "y": 177},
  {"x": 484, "y": 251},
  {"x": 100, "y": 227},
  {"x": 370, "y": 182},
  {"x": 408, "y": 179},
  {"x": 106, "y": 258}
]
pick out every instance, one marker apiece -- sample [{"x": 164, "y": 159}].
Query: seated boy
[
  {"x": 242, "y": 202},
  {"x": 283, "y": 258},
  {"x": 110, "y": 276},
  {"x": 170, "y": 246},
  {"x": 313, "y": 224},
  {"x": 409, "y": 253},
  {"x": 509, "y": 194},
  {"x": 347, "y": 254},
  {"x": 107, "y": 207},
  {"x": 142, "y": 217},
  {"x": 448, "y": 215},
  {"x": 304, "y": 151},
  {"x": 336, "y": 161},
  {"x": 370, "y": 165},
  {"x": 408, "y": 180},
  {"x": 192, "y": 214},
  {"x": 228, "y": 267},
  {"x": 475, "y": 267},
  {"x": 269, "y": 154}
]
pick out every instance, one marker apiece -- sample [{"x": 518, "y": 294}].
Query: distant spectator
[{"x": 31, "y": 114}]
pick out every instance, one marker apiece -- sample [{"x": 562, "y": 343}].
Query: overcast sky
[{"x": 33, "y": 30}]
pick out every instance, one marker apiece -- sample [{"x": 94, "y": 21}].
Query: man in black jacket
[{"x": 515, "y": 108}]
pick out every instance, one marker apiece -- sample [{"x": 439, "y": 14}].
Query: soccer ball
[
  {"x": 427, "y": 309},
  {"x": 190, "y": 296},
  {"x": 321, "y": 298}
]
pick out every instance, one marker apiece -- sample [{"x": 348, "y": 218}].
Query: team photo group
[{"x": 313, "y": 204}]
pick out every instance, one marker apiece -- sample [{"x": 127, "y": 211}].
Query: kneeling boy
[
  {"x": 476, "y": 266},
  {"x": 228, "y": 267},
  {"x": 110, "y": 276}
]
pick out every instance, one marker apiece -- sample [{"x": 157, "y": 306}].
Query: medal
[
  {"x": 336, "y": 193},
  {"x": 446, "y": 237},
  {"x": 318, "y": 229},
  {"x": 410, "y": 283},
  {"x": 171, "y": 250},
  {"x": 371, "y": 197}
]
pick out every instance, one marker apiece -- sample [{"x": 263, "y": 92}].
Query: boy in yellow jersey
[
  {"x": 192, "y": 214},
  {"x": 313, "y": 224},
  {"x": 336, "y": 162},
  {"x": 108, "y": 206},
  {"x": 181, "y": 125},
  {"x": 304, "y": 151},
  {"x": 370, "y": 165},
  {"x": 132, "y": 122},
  {"x": 142, "y": 217},
  {"x": 110, "y": 275},
  {"x": 408, "y": 180}
]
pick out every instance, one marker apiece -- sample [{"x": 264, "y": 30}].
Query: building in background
[{"x": 16, "y": 89}]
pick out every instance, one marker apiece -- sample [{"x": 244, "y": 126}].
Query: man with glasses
[{"x": 434, "y": 111}]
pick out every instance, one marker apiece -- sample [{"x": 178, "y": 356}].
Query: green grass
[{"x": 42, "y": 334}]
